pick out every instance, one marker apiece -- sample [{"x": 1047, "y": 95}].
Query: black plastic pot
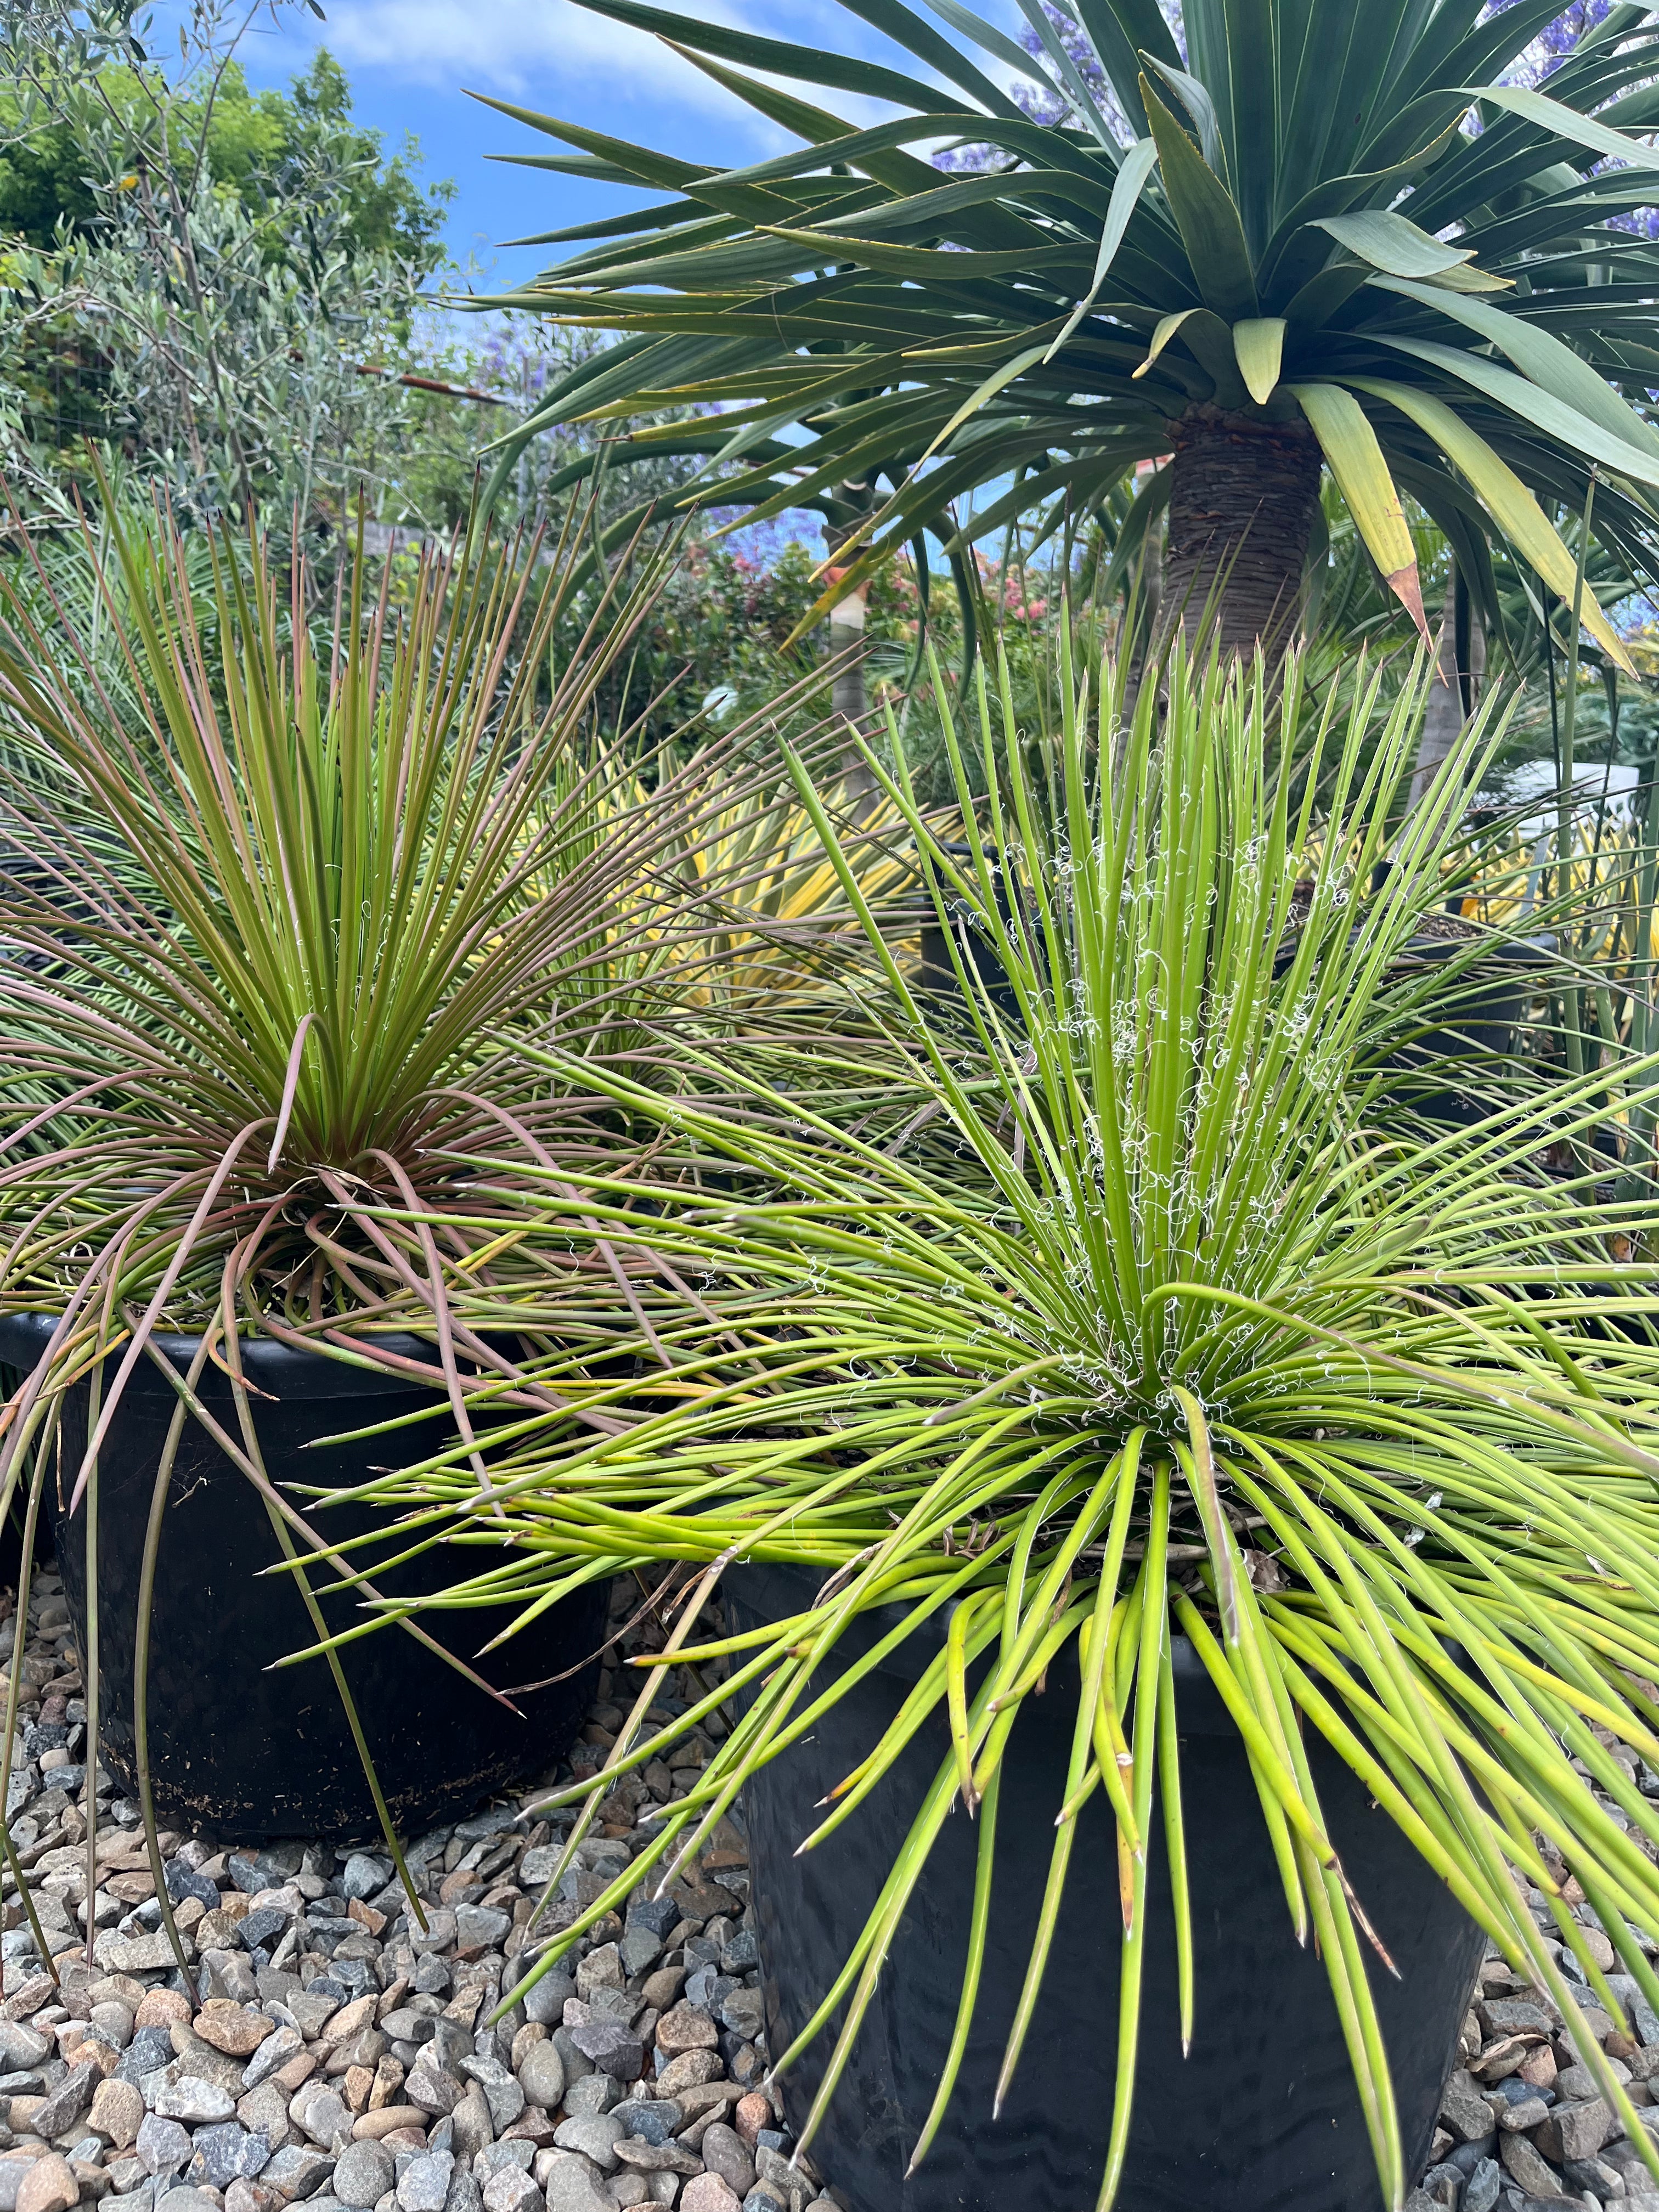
[
  {"x": 1491, "y": 1008},
  {"x": 1262, "y": 2116},
  {"x": 251, "y": 1753},
  {"x": 937, "y": 971}
]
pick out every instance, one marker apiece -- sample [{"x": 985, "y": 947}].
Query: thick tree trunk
[
  {"x": 1241, "y": 504},
  {"x": 1455, "y": 692}
]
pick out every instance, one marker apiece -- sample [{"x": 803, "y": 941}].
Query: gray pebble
[
  {"x": 541, "y": 2075},
  {"x": 725, "y": 2152},
  {"x": 482, "y": 1926},
  {"x": 186, "y": 2200},
  {"x": 654, "y": 2120},
  {"x": 576, "y": 2063},
  {"x": 364, "y": 1876},
  {"x": 163, "y": 2145},
  {"x": 362, "y": 2175},
  {"x": 594, "y": 2092},
  {"x": 595, "y": 2134},
  {"x": 229, "y": 2153},
  {"x": 495, "y": 2156},
  {"x": 511, "y": 2191},
  {"x": 195, "y": 2101},
  {"x": 504, "y": 2097},
  {"x": 546, "y": 2002},
  {"x": 424, "y": 2184},
  {"x": 569, "y": 2187}
]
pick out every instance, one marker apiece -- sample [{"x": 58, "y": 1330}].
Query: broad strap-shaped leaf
[
  {"x": 1260, "y": 346},
  {"x": 1533, "y": 404},
  {"x": 1205, "y": 213},
  {"x": 1505, "y": 498},
  {"x": 1544, "y": 359},
  {"x": 1388, "y": 242},
  {"x": 1355, "y": 459},
  {"x": 1554, "y": 115},
  {"x": 1166, "y": 329},
  {"x": 1138, "y": 165},
  {"x": 1200, "y": 107}
]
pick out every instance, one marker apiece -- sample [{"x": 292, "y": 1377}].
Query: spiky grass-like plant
[{"x": 1180, "y": 1334}]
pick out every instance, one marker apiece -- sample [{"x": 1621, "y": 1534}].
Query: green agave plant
[
  {"x": 1276, "y": 236},
  {"x": 1171, "y": 1300}
]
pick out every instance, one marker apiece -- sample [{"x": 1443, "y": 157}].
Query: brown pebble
[
  {"x": 685, "y": 2027},
  {"x": 118, "y": 2112},
  {"x": 388, "y": 2081},
  {"x": 1538, "y": 2070},
  {"x": 359, "y": 2080},
  {"x": 299, "y": 2068},
  {"x": 707, "y": 2192},
  {"x": 161, "y": 2008},
  {"x": 246, "y": 2196},
  {"x": 404, "y": 2139},
  {"x": 754, "y": 2113},
  {"x": 350, "y": 2020},
  {"x": 49, "y": 2185},
  {"x": 390, "y": 2120},
  {"x": 236, "y": 2029}
]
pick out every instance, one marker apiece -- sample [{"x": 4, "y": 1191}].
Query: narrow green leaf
[
  {"x": 1536, "y": 406},
  {"x": 1131, "y": 181},
  {"x": 1542, "y": 357},
  {"x": 817, "y": 64}
]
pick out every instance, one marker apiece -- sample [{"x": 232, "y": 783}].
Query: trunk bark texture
[{"x": 1242, "y": 504}]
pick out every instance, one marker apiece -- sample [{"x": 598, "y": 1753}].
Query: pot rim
[{"x": 272, "y": 1366}]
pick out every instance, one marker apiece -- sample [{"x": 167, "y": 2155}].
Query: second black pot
[
  {"x": 252, "y": 1754},
  {"x": 1261, "y": 2116}
]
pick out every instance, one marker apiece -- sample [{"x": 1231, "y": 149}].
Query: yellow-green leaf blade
[
  {"x": 1505, "y": 498},
  {"x": 1259, "y": 345},
  {"x": 1355, "y": 459}
]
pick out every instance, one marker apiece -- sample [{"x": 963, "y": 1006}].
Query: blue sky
[{"x": 411, "y": 61}]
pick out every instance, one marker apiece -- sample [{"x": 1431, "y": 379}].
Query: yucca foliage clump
[
  {"x": 1155, "y": 1320},
  {"x": 279, "y": 912}
]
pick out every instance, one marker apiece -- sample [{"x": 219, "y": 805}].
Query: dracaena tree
[{"x": 1296, "y": 236}]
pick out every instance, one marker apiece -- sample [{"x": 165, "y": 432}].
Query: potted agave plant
[
  {"x": 277, "y": 913},
  {"x": 1186, "y": 1535}
]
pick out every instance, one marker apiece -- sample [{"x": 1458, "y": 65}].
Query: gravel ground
[
  {"x": 330, "y": 2052},
  {"x": 1522, "y": 2124}
]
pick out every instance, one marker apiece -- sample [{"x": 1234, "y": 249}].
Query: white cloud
[{"x": 506, "y": 46}]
